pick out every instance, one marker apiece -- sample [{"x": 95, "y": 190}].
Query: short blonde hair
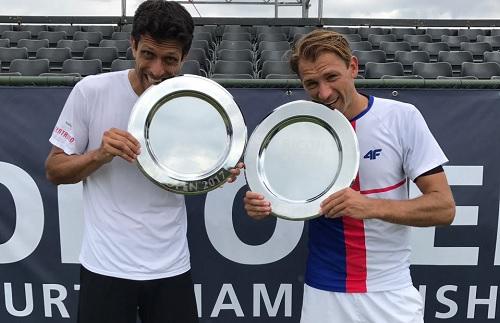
[{"x": 317, "y": 42}]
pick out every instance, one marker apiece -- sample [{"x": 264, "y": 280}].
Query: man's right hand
[
  {"x": 116, "y": 142},
  {"x": 256, "y": 206}
]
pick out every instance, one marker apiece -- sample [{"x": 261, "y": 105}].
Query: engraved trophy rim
[
  {"x": 309, "y": 115},
  {"x": 183, "y": 90}
]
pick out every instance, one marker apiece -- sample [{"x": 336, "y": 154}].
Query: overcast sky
[{"x": 422, "y": 9}]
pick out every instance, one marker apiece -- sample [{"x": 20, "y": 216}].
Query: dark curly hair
[{"x": 164, "y": 20}]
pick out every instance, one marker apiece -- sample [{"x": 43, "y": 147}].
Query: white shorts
[{"x": 398, "y": 306}]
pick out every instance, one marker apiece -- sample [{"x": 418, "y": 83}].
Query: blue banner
[{"x": 246, "y": 270}]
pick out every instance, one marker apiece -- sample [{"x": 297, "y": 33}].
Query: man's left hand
[
  {"x": 235, "y": 172},
  {"x": 347, "y": 202}
]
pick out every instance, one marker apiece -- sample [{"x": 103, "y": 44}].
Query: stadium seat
[
  {"x": 82, "y": 67},
  {"x": 93, "y": 37},
  {"x": 15, "y": 36},
  {"x": 212, "y": 29},
  {"x": 272, "y": 37},
  {"x": 457, "y": 78},
  {"x": 77, "y": 47},
  {"x": 7, "y": 55},
  {"x": 494, "y": 41},
  {"x": 232, "y": 76},
  {"x": 271, "y": 55},
  {"x": 247, "y": 37},
  {"x": 192, "y": 67},
  {"x": 408, "y": 77},
  {"x": 29, "y": 67},
  {"x": 437, "y": 33},
  {"x": 10, "y": 74},
  {"x": 33, "y": 29},
  {"x": 343, "y": 30},
  {"x": 235, "y": 55},
  {"x": 4, "y": 42},
  {"x": 32, "y": 45},
  {"x": 52, "y": 74},
  {"x": 471, "y": 34},
  {"x": 269, "y": 30},
  {"x": 198, "y": 54},
  {"x": 390, "y": 48},
  {"x": 481, "y": 70},
  {"x": 236, "y": 29},
  {"x": 122, "y": 64},
  {"x": 233, "y": 67},
  {"x": 5, "y": 28},
  {"x": 364, "y": 32},
  {"x": 56, "y": 56},
  {"x": 351, "y": 38},
  {"x": 270, "y": 45},
  {"x": 121, "y": 45},
  {"x": 376, "y": 39},
  {"x": 432, "y": 70},
  {"x": 105, "y": 30},
  {"x": 282, "y": 76},
  {"x": 203, "y": 44},
  {"x": 121, "y": 35},
  {"x": 455, "y": 58},
  {"x": 52, "y": 36},
  {"x": 68, "y": 29},
  {"x": 414, "y": 40},
  {"x": 126, "y": 27},
  {"x": 105, "y": 54},
  {"x": 477, "y": 49},
  {"x": 399, "y": 32},
  {"x": 408, "y": 58},
  {"x": 377, "y": 70},
  {"x": 365, "y": 56},
  {"x": 299, "y": 30},
  {"x": 275, "y": 67},
  {"x": 433, "y": 49},
  {"x": 454, "y": 41},
  {"x": 360, "y": 45},
  {"x": 495, "y": 77},
  {"x": 492, "y": 57},
  {"x": 494, "y": 32},
  {"x": 205, "y": 36}
]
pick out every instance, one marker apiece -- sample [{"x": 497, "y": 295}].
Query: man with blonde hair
[{"x": 359, "y": 249}]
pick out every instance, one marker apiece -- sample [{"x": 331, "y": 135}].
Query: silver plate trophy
[
  {"x": 191, "y": 134},
  {"x": 300, "y": 154}
]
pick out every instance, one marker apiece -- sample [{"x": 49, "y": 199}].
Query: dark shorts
[{"x": 106, "y": 299}]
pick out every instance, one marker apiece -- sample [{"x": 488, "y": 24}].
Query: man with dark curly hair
[{"x": 135, "y": 258}]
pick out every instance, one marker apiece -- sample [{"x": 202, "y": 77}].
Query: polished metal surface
[
  {"x": 300, "y": 154},
  {"x": 191, "y": 134}
]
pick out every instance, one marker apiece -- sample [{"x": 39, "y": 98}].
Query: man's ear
[
  {"x": 133, "y": 45},
  {"x": 353, "y": 65}
]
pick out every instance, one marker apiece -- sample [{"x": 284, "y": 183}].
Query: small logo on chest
[{"x": 373, "y": 154}]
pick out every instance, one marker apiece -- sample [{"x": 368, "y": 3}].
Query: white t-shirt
[
  {"x": 133, "y": 228},
  {"x": 349, "y": 255}
]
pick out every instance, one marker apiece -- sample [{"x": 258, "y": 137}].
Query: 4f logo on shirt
[{"x": 372, "y": 154}]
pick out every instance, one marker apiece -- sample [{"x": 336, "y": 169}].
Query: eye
[
  {"x": 332, "y": 77},
  {"x": 310, "y": 85},
  {"x": 147, "y": 54}
]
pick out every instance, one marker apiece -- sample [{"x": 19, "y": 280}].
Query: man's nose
[
  {"x": 158, "y": 69},
  {"x": 324, "y": 92}
]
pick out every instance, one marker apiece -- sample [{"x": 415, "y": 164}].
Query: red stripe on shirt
[
  {"x": 384, "y": 189},
  {"x": 354, "y": 239}
]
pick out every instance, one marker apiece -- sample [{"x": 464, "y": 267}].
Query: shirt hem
[
  {"x": 370, "y": 290},
  {"x": 138, "y": 277}
]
